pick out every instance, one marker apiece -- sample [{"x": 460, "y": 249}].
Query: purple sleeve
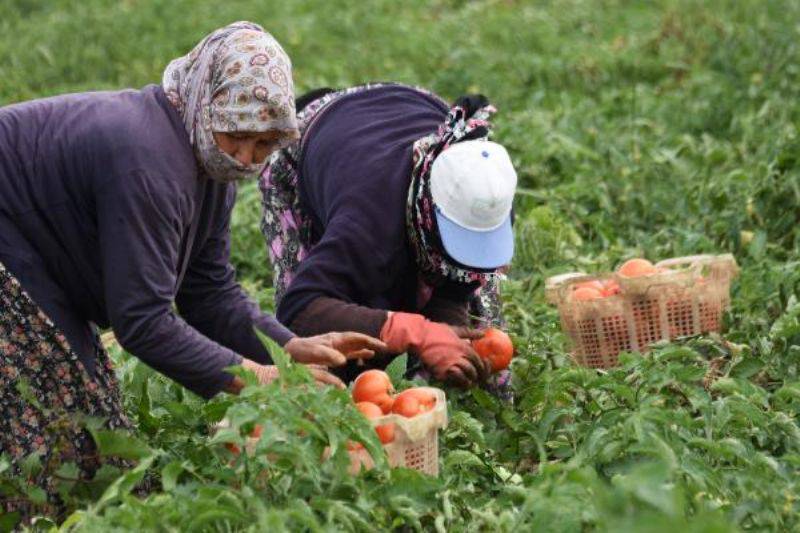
[
  {"x": 355, "y": 171},
  {"x": 213, "y": 302},
  {"x": 352, "y": 261},
  {"x": 139, "y": 235},
  {"x": 324, "y": 315}
]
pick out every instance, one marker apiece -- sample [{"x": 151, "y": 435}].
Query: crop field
[{"x": 650, "y": 129}]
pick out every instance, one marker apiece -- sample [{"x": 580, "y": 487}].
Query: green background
[{"x": 651, "y": 129}]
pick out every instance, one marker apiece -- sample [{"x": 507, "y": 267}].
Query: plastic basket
[
  {"x": 415, "y": 444},
  {"x": 688, "y": 298},
  {"x": 416, "y": 440}
]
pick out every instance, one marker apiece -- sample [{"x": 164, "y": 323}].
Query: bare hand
[
  {"x": 333, "y": 349},
  {"x": 266, "y": 374},
  {"x": 323, "y": 377}
]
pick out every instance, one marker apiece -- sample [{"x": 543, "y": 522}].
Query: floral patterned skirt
[{"x": 45, "y": 396}]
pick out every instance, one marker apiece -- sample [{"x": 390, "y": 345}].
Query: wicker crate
[
  {"x": 687, "y": 298},
  {"x": 416, "y": 440}
]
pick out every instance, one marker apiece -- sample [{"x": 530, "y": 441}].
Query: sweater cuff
[
  {"x": 325, "y": 314},
  {"x": 269, "y": 326},
  {"x": 221, "y": 381}
]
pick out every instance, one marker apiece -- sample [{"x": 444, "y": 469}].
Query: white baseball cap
[{"x": 473, "y": 184}]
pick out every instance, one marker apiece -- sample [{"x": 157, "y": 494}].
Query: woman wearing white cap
[{"x": 391, "y": 216}]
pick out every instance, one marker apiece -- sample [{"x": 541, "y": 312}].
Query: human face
[{"x": 249, "y": 148}]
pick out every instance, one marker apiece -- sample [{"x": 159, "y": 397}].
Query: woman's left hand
[{"x": 333, "y": 349}]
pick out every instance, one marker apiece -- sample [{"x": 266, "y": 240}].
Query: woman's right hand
[{"x": 440, "y": 347}]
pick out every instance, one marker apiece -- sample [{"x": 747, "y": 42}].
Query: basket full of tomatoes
[
  {"x": 641, "y": 303},
  {"x": 407, "y": 423}
]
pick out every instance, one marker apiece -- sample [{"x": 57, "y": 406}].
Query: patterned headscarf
[
  {"x": 468, "y": 119},
  {"x": 238, "y": 79}
]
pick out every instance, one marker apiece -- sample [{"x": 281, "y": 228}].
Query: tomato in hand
[{"x": 496, "y": 346}]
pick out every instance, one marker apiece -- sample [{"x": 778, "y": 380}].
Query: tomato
[
  {"x": 407, "y": 406},
  {"x": 586, "y": 293},
  {"x": 495, "y": 346},
  {"x": 593, "y": 284},
  {"x": 354, "y": 446},
  {"x": 255, "y": 434},
  {"x": 426, "y": 399},
  {"x": 371, "y": 411},
  {"x": 376, "y": 387},
  {"x": 233, "y": 448},
  {"x": 633, "y": 268},
  {"x": 610, "y": 288}
]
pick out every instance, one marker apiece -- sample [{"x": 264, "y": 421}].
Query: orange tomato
[
  {"x": 610, "y": 288},
  {"x": 586, "y": 293},
  {"x": 353, "y": 445},
  {"x": 593, "y": 284},
  {"x": 376, "y": 387},
  {"x": 255, "y": 434},
  {"x": 233, "y": 448},
  {"x": 407, "y": 406},
  {"x": 495, "y": 346},
  {"x": 633, "y": 268},
  {"x": 371, "y": 411},
  {"x": 426, "y": 399}
]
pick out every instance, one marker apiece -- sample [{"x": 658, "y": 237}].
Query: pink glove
[{"x": 447, "y": 356}]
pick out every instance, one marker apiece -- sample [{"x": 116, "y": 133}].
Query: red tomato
[
  {"x": 255, "y": 434},
  {"x": 593, "y": 284},
  {"x": 426, "y": 399},
  {"x": 586, "y": 293},
  {"x": 233, "y": 448},
  {"x": 633, "y": 268},
  {"x": 407, "y": 406},
  {"x": 495, "y": 346},
  {"x": 610, "y": 288},
  {"x": 371, "y": 411},
  {"x": 376, "y": 387}
]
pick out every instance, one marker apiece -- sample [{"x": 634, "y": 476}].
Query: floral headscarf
[
  {"x": 238, "y": 79},
  {"x": 468, "y": 119}
]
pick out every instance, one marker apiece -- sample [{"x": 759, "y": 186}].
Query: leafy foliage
[{"x": 661, "y": 129}]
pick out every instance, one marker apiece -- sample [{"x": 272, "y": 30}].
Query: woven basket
[{"x": 686, "y": 299}]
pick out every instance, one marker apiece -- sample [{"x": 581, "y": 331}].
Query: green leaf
[
  {"x": 35, "y": 494},
  {"x": 120, "y": 443},
  {"x": 170, "y": 474},
  {"x": 125, "y": 483},
  {"x": 397, "y": 369},
  {"x": 747, "y": 367},
  {"x": 279, "y": 357},
  {"x": 8, "y": 521},
  {"x": 462, "y": 459}
]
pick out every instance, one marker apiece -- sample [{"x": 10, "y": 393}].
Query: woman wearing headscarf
[
  {"x": 391, "y": 216},
  {"x": 115, "y": 212}
]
